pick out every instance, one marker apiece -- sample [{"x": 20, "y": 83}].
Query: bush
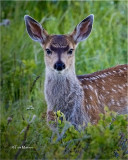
[{"x": 106, "y": 140}]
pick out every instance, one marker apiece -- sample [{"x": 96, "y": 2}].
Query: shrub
[{"x": 105, "y": 140}]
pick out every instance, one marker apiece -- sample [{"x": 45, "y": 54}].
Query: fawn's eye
[
  {"x": 48, "y": 51},
  {"x": 70, "y": 51}
]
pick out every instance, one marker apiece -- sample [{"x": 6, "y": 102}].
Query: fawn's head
[{"x": 59, "y": 49}]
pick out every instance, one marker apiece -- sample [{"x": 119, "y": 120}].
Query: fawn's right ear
[{"x": 35, "y": 30}]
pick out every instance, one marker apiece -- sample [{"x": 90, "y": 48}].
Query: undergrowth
[{"x": 31, "y": 140}]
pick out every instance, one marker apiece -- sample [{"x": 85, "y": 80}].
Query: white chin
[{"x": 59, "y": 72}]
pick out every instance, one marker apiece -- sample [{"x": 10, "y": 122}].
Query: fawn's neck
[{"x": 63, "y": 92}]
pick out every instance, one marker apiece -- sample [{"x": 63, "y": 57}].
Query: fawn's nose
[{"x": 59, "y": 66}]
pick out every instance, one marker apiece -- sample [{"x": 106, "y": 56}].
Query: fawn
[{"x": 80, "y": 98}]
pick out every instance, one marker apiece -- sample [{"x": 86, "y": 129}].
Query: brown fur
[{"x": 108, "y": 88}]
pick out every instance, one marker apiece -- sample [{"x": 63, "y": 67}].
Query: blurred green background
[{"x": 22, "y": 59}]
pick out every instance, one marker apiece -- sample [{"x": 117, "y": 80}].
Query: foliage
[
  {"x": 21, "y": 62},
  {"x": 107, "y": 139}
]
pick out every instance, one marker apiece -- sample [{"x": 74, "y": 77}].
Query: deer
[{"x": 82, "y": 98}]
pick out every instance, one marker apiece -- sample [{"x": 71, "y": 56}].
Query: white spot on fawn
[
  {"x": 103, "y": 88},
  {"x": 102, "y": 75},
  {"x": 120, "y": 87},
  {"x": 118, "y": 104},
  {"x": 103, "y": 81},
  {"x": 91, "y": 81},
  {"x": 110, "y": 79},
  {"x": 96, "y": 93},
  {"x": 91, "y": 97},
  {"x": 124, "y": 85},
  {"x": 113, "y": 90},
  {"x": 98, "y": 101},
  {"x": 97, "y": 77},
  {"x": 101, "y": 97},
  {"x": 86, "y": 78},
  {"x": 91, "y": 87},
  {"x": 109, "y": 73},
  {"x": 85, "y": 87},
  {"x": 87, "y": 107},
  {"x": 93, "y": 78},
  {"x": 120, "y": 71},
  {"x": 112, "y": 101}
]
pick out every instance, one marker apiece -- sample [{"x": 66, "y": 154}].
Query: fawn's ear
[
  {"x": 83, "y": 29},
  {"x": 35, "y": 30}
]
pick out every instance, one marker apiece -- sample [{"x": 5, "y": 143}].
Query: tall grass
[{"x": 22, "y": 59}]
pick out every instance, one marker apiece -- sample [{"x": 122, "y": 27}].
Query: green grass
[{"x": 22, "y": 61}]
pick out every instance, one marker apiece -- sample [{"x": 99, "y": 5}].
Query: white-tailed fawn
[{"x": 80, "y": 98}]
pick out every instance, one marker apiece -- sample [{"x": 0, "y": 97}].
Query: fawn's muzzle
[{"x": 59, "y": 66}]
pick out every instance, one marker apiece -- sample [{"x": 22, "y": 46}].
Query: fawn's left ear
[
  {"x": 35, "y": 30},
  {"x": 83, "y": 29}
]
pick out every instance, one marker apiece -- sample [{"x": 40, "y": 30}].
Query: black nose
[{"x": 59, "y": 66}]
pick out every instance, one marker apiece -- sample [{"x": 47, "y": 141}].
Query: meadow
[{"x": 22, "y": 74}]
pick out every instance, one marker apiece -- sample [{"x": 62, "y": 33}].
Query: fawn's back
[
  {"x": 105, "y": 88},
  {"x": 80, "y": 98}
]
